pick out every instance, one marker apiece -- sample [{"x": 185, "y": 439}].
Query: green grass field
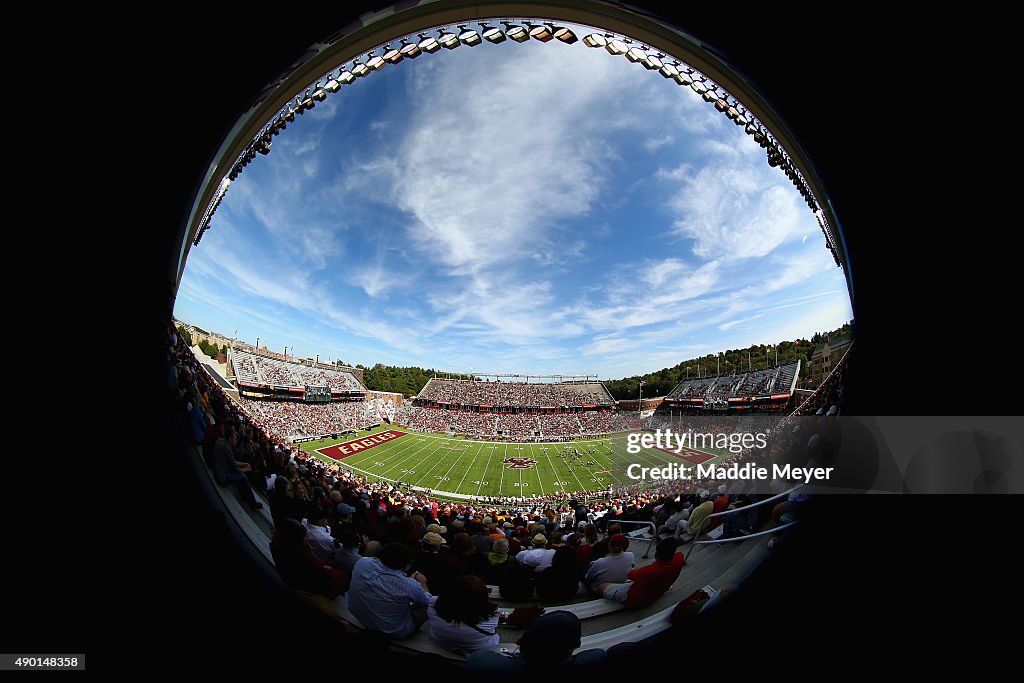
[{"x": 475, "y": 468}]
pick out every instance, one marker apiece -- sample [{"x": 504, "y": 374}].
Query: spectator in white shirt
[
  {"x": 321, "y": 542},
  {"x": 613, "y": 567},
  {"x": 538, "y": 557},
  {"x": 462, "y": 619}
]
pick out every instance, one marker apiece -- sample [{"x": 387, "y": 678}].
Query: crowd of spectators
[
  {"x": 406, "y": 551},
  {"x": 514, "y": 394},
  {"x": 264, "y": 370},
  {"x": 610, "y": 422},
  {"x": 517, "y": 426},
  {"x": 290, "y": 419},
  {"x": 400, "y": 558},
  {"x": 335, "y": 379},
  {"x": 245, "y": 368},
  {"x": 736, "y": 385},
  {"x": 828, "y": 397}
]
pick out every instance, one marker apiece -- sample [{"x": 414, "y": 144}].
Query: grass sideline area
[{"x": 485, "y": 468}]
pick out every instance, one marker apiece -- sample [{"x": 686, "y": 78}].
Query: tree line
[
  {"x": 210, "y": 349},
  {"x": 761, "y": 356},
  {"x": 404, "y": 380}
]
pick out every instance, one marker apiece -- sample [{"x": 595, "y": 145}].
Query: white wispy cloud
[
  {"x": 734, "y": 212},
  {"x": 503, "y": 219},
  {"x": 653, "y": 143}
]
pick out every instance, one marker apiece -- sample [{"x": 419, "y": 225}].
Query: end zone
[
  {"x": 342, "y": 450},
  {"x": 690, "y": 455}
]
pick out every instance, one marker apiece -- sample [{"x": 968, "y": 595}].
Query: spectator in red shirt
[
  {"x": 584, "y": 550},
  {"x": 721, "y": 504},
  {"x": 646, "y": 584}
]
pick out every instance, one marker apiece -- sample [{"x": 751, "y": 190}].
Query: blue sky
[{"x": 514, "y": 207}]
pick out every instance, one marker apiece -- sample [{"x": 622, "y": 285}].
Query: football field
[{"x": 484, "y": 468}]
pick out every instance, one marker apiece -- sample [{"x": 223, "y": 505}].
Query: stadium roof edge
[{"x": 367, "y": 33}]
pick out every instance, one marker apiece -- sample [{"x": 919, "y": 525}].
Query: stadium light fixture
[
  {"x": 670, "y": 71},
  {"x": 543, "y": 33},
  {"x": 375, "y": 63},
  {"x": 410, "y": 50},
  {"x": 429, "y": 44},
  {"x": 653, "y": 61},
  {"x": 565, "y": 35},
  {"x": 319, "y": 94},
  {"x": 447, "y": 40},
  {"x": 595, "y": 40},
  {"x": 493, "y": 34},
  {"x": 515, "y": 32},
  {"x": 360, "y": 69},
  {"x": 616, "y": 47},
  {"x": 345, "y": 77},
  {"x": 635, "y": 54},
  {"x": 332, "y": 85},
  {"x": 469, "y": 37},
  {"x": 392, "y": 55}
]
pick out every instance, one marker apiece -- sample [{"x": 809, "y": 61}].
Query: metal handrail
[
  {"x": 748, "y": 537},
  {"x": 753, "y": 505},
  {"x": 654, "y": 532}
]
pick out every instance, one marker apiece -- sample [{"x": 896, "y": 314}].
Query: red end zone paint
[
  {"x": 343, "y": 450},
  {"x": 691, "y": 455}
]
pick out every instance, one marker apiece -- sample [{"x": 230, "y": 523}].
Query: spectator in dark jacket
[
  {"x": 299, "y": 568},
  {"x": 284, "y": 504},
  {"x": 229, "y": 472}
]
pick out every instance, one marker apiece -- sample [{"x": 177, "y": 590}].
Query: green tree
[
  {"x": 185, "y": 334},
  {"x": 662, "y": 382}
]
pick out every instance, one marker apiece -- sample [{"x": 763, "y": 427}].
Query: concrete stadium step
[
  {"x": 261, "y": 517},
  {"x": 744, "y": 564},
  {"x": 419, "y": 642},
  {"x": 706, "y": 567},
  {"x": 703, "y": 570},
  {"x": 583, "y": 610},
  {"x": 495, "y": 593},
  {"x": 634, "y": 631},
  {"x": 243, "y": 514},
  {"x": 582, "y": 595}
]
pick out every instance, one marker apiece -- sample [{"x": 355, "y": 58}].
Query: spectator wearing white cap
[{"x": 538, "y": 557}]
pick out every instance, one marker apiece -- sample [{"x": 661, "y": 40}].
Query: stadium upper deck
[
  {"x": 256, "y": 369},
  {"x": 780, "y": 380}
]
